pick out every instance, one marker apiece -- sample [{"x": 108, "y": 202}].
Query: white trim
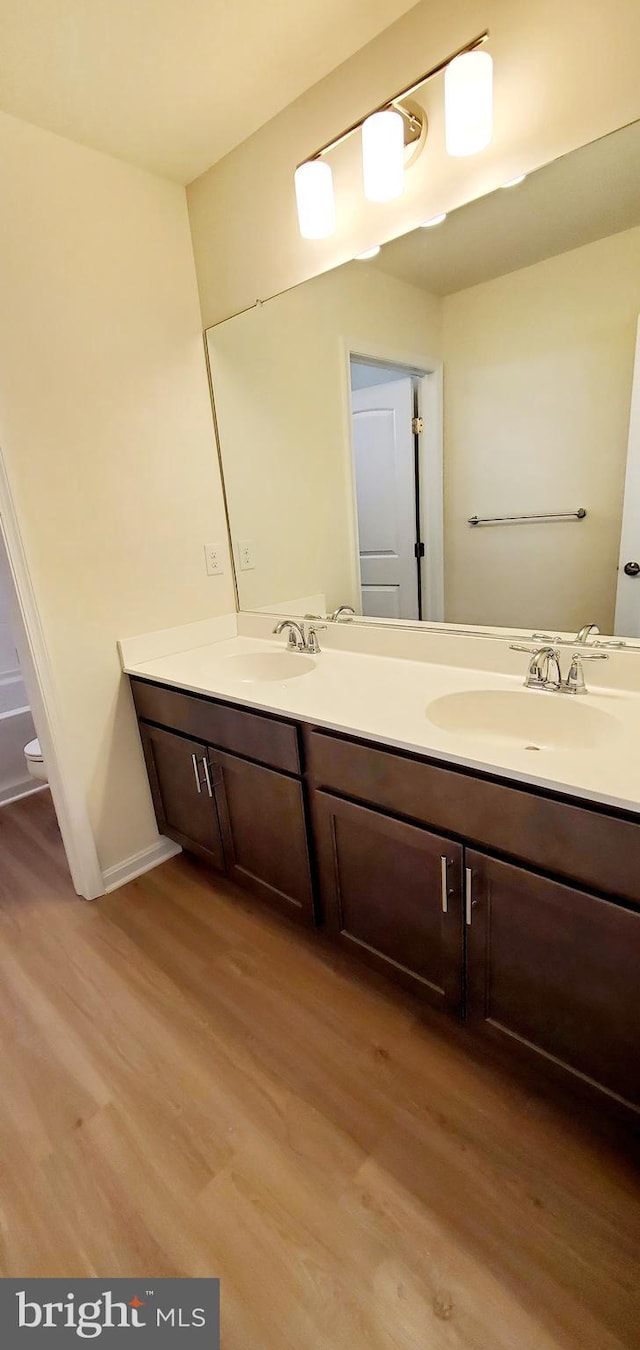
[
  {"x": 349, "y": 468},
  {"x": 432, "y": 495},
  {"x": 15, "y": 712},
  {"x": 19, "y": 796},
  {"x": 626, "y": 616},
  {"x": 69, "y": 802},
  {"x": 139, "y": 863},
  {"x": 380, "y": 354}
]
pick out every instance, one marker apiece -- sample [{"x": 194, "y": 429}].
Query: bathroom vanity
[
  {"x": 497, "y": 898},
  {"x": 405, "y": 447}
]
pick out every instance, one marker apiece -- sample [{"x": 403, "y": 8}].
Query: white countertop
[{"x": 385, "y": 699}]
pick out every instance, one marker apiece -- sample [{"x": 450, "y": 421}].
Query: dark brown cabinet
[
  {"x": 239, "y": 816},
  {"x": 557, "y": 969},
  {"x": 182, "y": 791},
  {"x": 264, "y": 828},
  {"x": 393, "y": 891},
  {"x": 511, "y": 907}
]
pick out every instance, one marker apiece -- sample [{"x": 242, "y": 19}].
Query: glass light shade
[
  {"x": 435, "y": 220},
  {"x": 468, "y": 103},
  {"x": 383, "y": 156},
  {"x": 315, "y": 199}
]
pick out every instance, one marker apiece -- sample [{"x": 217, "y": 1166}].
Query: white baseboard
[
  {"x": 19, "y": 790},
  {"x": 140, "y": 862}
]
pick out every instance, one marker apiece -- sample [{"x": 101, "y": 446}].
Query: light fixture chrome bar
[
  {"x": 413, "y": 122},
  {"x": 397, "y": 98},
  {"x": 547, "y": 515}
]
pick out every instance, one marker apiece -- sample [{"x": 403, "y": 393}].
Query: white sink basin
[
  {"x": 264, "y": 667},
  {"x": 525, "y": 718}
]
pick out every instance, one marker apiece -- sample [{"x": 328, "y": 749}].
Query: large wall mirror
[{"x": 448, "y": 431}]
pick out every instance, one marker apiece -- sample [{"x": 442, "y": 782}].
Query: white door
[
  {"x": 627, "y": 620},
  {"x": 384, "y": 463}
]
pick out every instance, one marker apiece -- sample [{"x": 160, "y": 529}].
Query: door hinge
[
  {"x": 417, "y": 425},
  {"x": 418, "y": 550}
]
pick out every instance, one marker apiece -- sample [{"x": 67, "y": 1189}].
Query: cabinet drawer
[
  {"x": 587, "y": 846},
  {"x": 262, "y": 738}
]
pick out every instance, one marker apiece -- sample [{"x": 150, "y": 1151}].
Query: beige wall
[
  {"x": 280, "y": 378},
  {"x": 564, "y": 74},
  {"x": 538, "y": 371},
  {"x": 105, "y": 426}
]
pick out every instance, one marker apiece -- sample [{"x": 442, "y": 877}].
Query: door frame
[
  {"x": 430, "y": 463},
  {"x": 69, "y": 802}
]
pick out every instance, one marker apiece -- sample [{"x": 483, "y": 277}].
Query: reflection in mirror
[
  {"x": 386, "y": 462},
  {"x": 386, "y": 429}
]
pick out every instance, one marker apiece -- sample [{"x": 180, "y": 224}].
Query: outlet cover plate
[
  {"x": 246, "y": 560},
  {"x": 214, "y": 559}
]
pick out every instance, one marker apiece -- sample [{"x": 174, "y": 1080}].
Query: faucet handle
[
  {"x": 312, "y": 643},
  {"x": 530, "y": 648},
  {"x": 575, "y": 682}
]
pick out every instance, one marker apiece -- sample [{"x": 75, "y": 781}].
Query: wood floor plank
[{"x": 190, "y": 1085}]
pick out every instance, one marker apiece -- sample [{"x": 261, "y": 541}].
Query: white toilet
[{"x": 35, "y": 762}]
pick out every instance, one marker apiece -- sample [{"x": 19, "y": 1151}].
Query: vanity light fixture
[
  {"x": 468, "y": 103},
  {"x": 315, "y": 199},
  {"x": 394, "y": 133},
  {"x": 383, "y": 156},
  {"x": 370, "y": 253},
  {"x": 513, "y": 182},
  {"x": 435, "y": 220}
]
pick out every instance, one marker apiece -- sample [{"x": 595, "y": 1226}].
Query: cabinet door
[
  {"x": 264, "y": 828},
  {"x": 557, "y": 969},
  {"x": 392, "y": 892},
  {"x": 184, "y": 808}
]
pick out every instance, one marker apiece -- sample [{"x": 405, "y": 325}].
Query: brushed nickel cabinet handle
[
  {"x": 195, "y": 773},
  {"x": 444, "y": 863},
  {"x": 205, "y": 765},
  {"x": 468, "y": 893}
]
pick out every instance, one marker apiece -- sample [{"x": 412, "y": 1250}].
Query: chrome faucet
[
  {"x": 583, "y": 634},
  {"x": 544, "y": 671},
  {"x": 296, "y": 641},
  {"x": 544, "y": 667},
  {"x": 347, "y": 610},
  {"x": 301, "y": 638}
]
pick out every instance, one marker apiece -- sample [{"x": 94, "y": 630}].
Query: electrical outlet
[
  {"x": 245, "y": 555},
  {"x": 214, "y": 559}
]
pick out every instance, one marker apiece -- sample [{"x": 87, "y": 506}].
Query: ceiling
[
  {"x": 586, "y": 195},
  {"x": 173, "y": 85}
]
